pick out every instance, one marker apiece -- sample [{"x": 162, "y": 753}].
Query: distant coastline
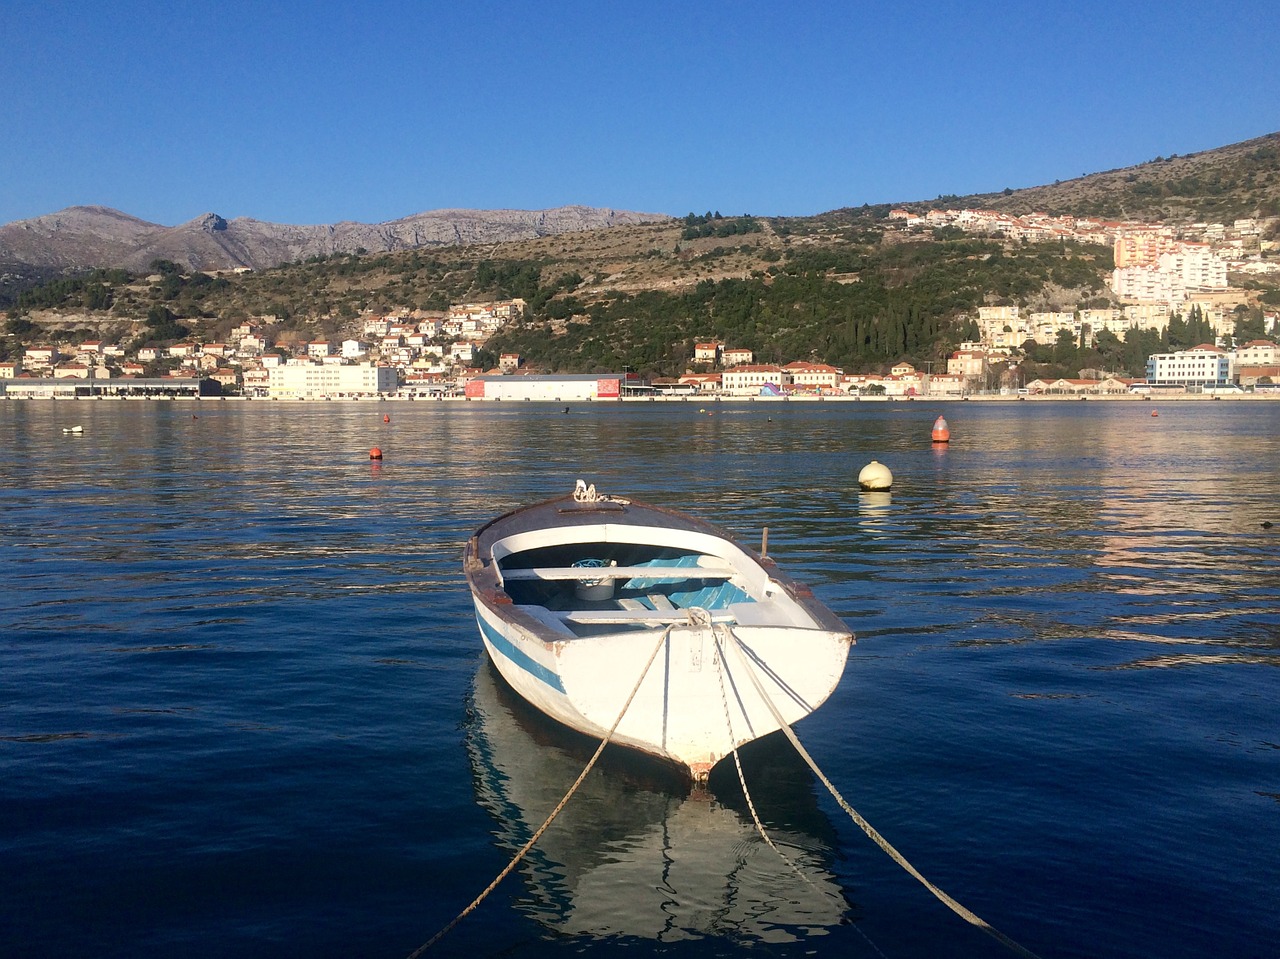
[{"x": 1145, "y": 399}]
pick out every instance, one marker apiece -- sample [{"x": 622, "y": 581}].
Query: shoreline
[{"x": 683, "y": 400}]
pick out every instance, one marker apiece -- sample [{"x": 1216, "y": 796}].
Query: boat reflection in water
[{"x": 633, "y": 853}]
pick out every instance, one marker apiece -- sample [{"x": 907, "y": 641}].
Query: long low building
[
  {"x": 65, "y": 387},
  {"x": 558, "y": 388}
]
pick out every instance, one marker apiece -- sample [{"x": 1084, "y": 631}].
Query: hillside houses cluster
[
  {"x": 1237, "y": 245},
  {"x": 1003, "y": 329},
  {"x": 1160, "y": 270},
  {"x": 420, "y": 353},
  {"x": 972, "y": 369},
  {"x": 413, "y": 347},
  {"x": 1032, "y": 227},
  {"x": 741, "y": 376}
]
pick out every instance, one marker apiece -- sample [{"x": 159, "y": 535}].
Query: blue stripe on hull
[{"x": 518, "y": 656}]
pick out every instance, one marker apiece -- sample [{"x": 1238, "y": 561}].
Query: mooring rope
[
  {"x": 742, "y": 781},
  {"x": 960, "y": 910},
  {"x": 524, "y": 850}
]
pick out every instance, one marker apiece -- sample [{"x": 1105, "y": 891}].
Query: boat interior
[{"x": 586, "y": 589}]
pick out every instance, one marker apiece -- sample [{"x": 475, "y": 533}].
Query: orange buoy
[
  {"x": 375, "y": 454},
  {"x": 941, "y": 434},
  {"x": 1155, "y": 413},
  {"x": 386, "y": 418}
]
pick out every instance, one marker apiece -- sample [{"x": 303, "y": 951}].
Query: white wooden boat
[{"x": 574, "y": 595}]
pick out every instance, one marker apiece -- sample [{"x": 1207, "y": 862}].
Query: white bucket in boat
[{"x": 594, "y": 590}]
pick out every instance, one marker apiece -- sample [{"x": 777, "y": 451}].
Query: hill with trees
[
  {"x": 1220, "y": 185},
  {"x": 848, "y": 287}
]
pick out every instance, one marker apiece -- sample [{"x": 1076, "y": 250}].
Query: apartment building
[
  {"x": 306, "y": 380},
  {"x": 1198, "y": 366}
]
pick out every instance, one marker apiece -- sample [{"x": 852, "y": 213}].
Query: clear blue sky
[{"x": 322, "y": 111}]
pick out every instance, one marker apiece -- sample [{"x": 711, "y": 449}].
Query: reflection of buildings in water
[{"x": 631, "y": 855}]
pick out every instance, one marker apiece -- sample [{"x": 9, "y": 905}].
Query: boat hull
[{"x": 686, "y": 688}]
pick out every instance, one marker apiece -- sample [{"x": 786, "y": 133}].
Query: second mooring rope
[
  {"x": 964, "y": 913},
  {"x": 721, "y": 666},
  {"x": 737, "y": 762}
]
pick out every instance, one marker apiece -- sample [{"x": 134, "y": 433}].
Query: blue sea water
[{"x": 244, "y": 709}]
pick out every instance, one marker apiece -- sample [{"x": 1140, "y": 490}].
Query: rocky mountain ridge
[
  {"x": 85, "y": 237},
  {"x": 1239, "y": 180}
]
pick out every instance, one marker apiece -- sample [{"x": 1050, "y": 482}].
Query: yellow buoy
[{"x": 875, "y": 477}]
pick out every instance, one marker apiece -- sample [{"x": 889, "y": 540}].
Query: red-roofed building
[
  {"x": 708, "y": 352},
  {"x": 702, "y": 382},
  {"x": 814, "y": 376}
]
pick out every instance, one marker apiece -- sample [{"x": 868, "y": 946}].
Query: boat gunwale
[{"x": 479, "y": 562}]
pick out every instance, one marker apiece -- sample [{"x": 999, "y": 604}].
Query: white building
[
  {"x": 913, "y": 383},
  {"x": 750, "y": 380},
  {"x": 945, "y": 384},
  {"x": 256, "y": 382},
  {"x": 701, "y": 382},
  {"x": 968, "y": 363},
  {"x": 1196, "y": 266},
  {"x": 1044, "y": 326},
  {"x": 41, "y": 357},
  {"x": 1114, "y": 321},
  {"x": 814, "y": 376},
  {"x": 313, "y": 381},
  {"x": 1198, "y": 366},
  {"x": 1148, "y": 316},
  {"x": 1146, "y": 284},
  {"x": 1002, "y": 327},
  {"x": 1257, "y": 353},
  {"x": 708, "y": 352}
]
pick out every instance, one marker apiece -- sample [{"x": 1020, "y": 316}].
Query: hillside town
[
  {"x": 1161, "y": 273},
  {"x": 1160, "y": 269}
]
